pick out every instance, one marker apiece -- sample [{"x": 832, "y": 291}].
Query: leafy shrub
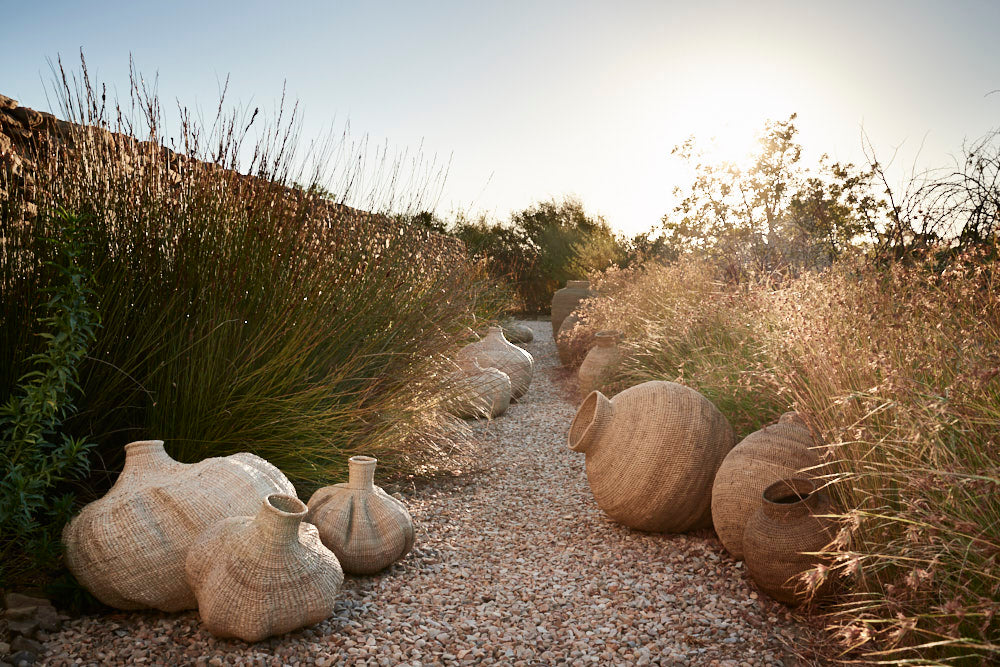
[{"x": 38, "y": 459}]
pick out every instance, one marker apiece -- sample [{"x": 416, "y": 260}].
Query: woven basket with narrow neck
[
  {"x": 473, "y": 391},
  {"x": 265, "y": 575},
  {"x": 600, "y": 360},
  {"x": 775, "y": 452},
  {"x": 652, "y": 453},
  {"x": 566, "y": 300},
  {"x": 781, "y": 533},
  {"x": 128, "y": 548},
  {"x": 494, "y": 351},
  {"x": 368, "y": 529}
]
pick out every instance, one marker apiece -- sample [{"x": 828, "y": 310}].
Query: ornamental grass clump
[{"x": 240, "y": 313}]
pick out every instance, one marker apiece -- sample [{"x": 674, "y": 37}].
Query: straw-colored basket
[
  {"x": 781, "y": 534},
  {"x": 474, "y": 391},
  {"x": 263, "y": 575},
  {"x": 573, "y": 340},
  {"x": 599, "y": 361},
  {"x": 494, "y": 351},
  {"x": 652, "y": 453},
  {"x": 566, "y": 300},
  {"x": 128, "y": 548},
  {"x": 775, "y": 452},
  {"x": 517, "y": 333},
  {"x": 368, "y": 529}
]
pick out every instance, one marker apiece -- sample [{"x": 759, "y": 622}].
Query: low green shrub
[{"x": 37, "y": 458}]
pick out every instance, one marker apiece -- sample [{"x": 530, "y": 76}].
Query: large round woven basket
[
  {"x": 782, "y": 536},
  {"x": 265, "y": 575},
  {"x": 566, "y": 300},
  {"x": 474, "y": 391},
  {"x": 600, "y": 360},
  {"x": 494, "y": 351},
  {"x": 775, "y": 452},
  {"x": 652, "y": 453},
  {"x": 368, "y": 529},
  {"x": 128, "y": 548}
]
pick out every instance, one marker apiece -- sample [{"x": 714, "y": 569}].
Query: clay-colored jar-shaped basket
[
  {"x": 600, "y": 359},
  {"x": 782, "y": 536},
  {"x": 128, "y": 548},
  {"x": 652, "y": 453},
  {"x": 265, "y": 575},
  {"x": 495, "y": 351},
  {"x": 775, "y": 452},
  {"x": 474, "y": 391},
  {"x": 368, "y": 529},
  {"x": 566, "y": 300}
]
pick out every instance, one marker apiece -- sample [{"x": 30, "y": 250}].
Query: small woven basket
[{"x": 494, "y": 351}]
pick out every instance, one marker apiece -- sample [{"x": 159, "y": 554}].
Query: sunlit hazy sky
[{"x": 541, "y": 99}]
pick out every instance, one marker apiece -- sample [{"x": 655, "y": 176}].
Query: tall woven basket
[
  {"x": 566, "y": 300},
  {"x": 368, "y": 529},
  {"x": 255, "y": 577},
  {"x": 574, "y": 340},
  {"x": 128, "y": 548},
  {"x": 601, "y": 359},
  {"x": 775, "y": 452},
  {"x": 652, "y": 453},
  {"x": 782, "y": 536},
  {"x": 495, "y": 351}
]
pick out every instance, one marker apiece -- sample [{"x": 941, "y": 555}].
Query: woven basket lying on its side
[
  {"x": 652, "y": 453},
  {"x": 494, "y": 351}
]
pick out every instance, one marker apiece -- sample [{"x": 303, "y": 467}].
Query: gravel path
[{"x": 514, "y": 565}]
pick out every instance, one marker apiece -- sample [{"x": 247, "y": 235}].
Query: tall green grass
[
  {"x": 239, "y": 313},
  {"x": 897, "y": 368}
]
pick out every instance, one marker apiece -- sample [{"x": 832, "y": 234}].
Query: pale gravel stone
[{"x": 512, "y": 565}]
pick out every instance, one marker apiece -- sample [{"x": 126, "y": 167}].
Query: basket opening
[
  {"x": 286, "y": 504},
  {"x": 789, "y": 491},
  {"x": 584, "y": 417}
]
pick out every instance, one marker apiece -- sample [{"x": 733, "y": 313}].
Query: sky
[{"x": 527, "y": 101}]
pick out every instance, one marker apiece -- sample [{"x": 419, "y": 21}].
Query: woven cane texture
[
  {"x": 368, "y": 529},
  {"x": 517, "y": 333},
  {"x": 128, "y": 548},
  {"x": 652, "y": 453},
  {"x": 494, "y": 351},
  {"x": 263, "y": 575},
  {"x": 773, "y": 453},
  {"x": 780, "y": 534},
  {"x": 475, "y": 392},
  {"x": 566, "y": 300},
  {"x": 601, "y": 359},
  {"x": 574, "y": 340}
]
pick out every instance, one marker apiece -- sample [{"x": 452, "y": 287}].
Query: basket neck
[
  {"x": 591, "y": 423},
  {"x": 361, "y": 472}
]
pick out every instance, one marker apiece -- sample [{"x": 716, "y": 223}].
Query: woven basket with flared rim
[
  {"x": 517, "y": 333},
  {"x": 566, "y": 300},
  {"x": 601, "y": 358},
  {"x": 781, "y": 533},
  {"x": 475, "y": 392},
  {"x": 494, "y": 351},
  {"x": 652, "y": 453},
  {"x": 775, "y": 452},
  {"x": 263, "y": 575},
  {"x": 368, "y": 529},
  {"x": 128, "y": 548}
]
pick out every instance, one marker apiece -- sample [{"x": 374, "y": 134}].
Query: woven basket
[
  {"x": 775, "y": 452},
  {"x": 782, "y": 532},
  {"x": 263, "y": 575},
  {"x": 128, "y": 548},
  {"x": 475, "y": 392},
  {"x": 602, "y": 358},
  {"x": 517, "y": 333},
  {"x": 566, "y": 300},
  {"x": 652, "y": 453},
  {"x": 368, "y": 529},
  {"x": 494, "y": 351},
  {"x": 573, "y": 340}
]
